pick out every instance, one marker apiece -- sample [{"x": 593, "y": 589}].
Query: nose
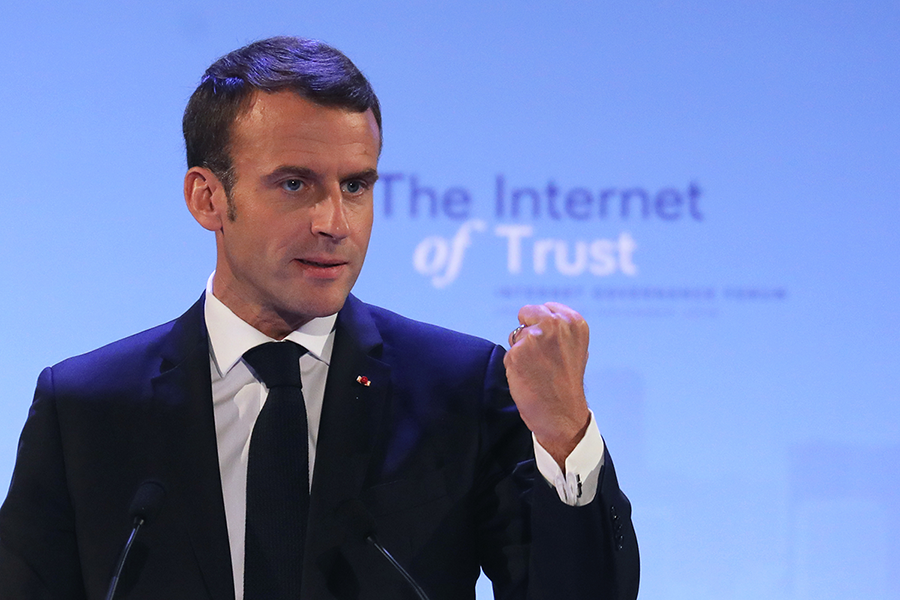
[{"x": 329, "y": 216}]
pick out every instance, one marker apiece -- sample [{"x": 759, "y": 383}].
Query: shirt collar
[{"x": 230, "y": 336}]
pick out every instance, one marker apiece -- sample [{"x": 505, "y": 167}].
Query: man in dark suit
[{"x": 423, "y": 427}]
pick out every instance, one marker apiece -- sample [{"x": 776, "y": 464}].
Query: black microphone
[
  {"x": 144, "y": 507},
  {"x": 361, "y": 525}
]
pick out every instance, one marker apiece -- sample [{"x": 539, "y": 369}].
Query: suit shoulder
[
  {"x": 395, "y": 325},
  {"x": 134, "y": 358},
  {"x": 121, "y": 356},
  {"x": 121, "y": 350},
  {"x": 430, "y": 345}
]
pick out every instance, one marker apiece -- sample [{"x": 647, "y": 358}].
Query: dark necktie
[{"x": 277, "y": 477}]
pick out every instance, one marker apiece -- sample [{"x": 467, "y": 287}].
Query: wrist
[{"x": 563, "y": 441}]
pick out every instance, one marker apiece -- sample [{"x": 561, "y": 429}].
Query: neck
[{"x": 270, "y": 322}]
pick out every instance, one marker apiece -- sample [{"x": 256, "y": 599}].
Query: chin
[
  {"x": 318, "y": 300},
  {"x": 322, "y": 307}
]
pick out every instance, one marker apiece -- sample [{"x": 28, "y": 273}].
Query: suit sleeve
[
  {"x": 534, "y": 545},
  {"x": 38, "y": 547}
]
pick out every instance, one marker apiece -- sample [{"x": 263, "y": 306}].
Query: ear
[{"x": 205, "y": 197}]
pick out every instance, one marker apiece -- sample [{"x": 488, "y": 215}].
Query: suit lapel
[
  {"x": 352, "y": 411},
  {"x": 351, "y": 426},
  {"x": 187, "y": 435}
]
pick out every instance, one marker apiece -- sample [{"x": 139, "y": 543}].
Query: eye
[
  {"x": 292, "y": 185},
  {"x": 354, "y": 186}
]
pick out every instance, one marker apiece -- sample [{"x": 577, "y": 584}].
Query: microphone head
[
  {"x": 359, "y": 521},
  {"x": 147, "y": 501}
]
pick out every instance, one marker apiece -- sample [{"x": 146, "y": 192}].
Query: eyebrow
[
  {"x": 370, "y": 175},
  {"x": 291, "y": 171}
]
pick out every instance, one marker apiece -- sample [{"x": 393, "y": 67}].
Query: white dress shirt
[{"x": 238, "y": 398}]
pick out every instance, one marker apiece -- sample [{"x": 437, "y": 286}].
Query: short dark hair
[{"x": 310, "y": 68}]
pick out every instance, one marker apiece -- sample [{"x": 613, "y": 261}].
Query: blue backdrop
[{"x": 714, "y": 185}]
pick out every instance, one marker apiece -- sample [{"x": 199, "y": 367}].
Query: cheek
[
  {"x": 361, "y": 235},
  {"x": 285, "y": 233},
  {"x": 361, "y": 225}
]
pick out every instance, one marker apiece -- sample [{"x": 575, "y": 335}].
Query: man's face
[{"x": 302, "y": 203}]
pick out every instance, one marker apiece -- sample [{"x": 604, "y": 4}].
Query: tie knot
[{"x": 276, "y": 363}]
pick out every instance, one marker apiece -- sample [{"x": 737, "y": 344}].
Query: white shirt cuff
[{"x": 578, "y": 485}]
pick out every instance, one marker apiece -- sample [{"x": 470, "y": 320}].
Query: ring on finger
[{"x": 514, "y": 334}]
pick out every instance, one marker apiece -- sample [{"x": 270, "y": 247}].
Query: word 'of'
[{"x": 442, "y": 259}]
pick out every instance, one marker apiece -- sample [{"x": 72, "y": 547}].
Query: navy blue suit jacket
[{"x": 433, "y": 447}]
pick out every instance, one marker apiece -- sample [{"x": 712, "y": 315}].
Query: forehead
[{"x": 285, "y": 123}]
